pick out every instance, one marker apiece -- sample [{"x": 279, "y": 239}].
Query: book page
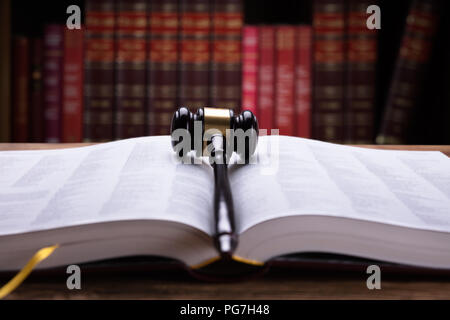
[
  {"x": 124, "y": 180},
  {"x": 406, "y": 188}
]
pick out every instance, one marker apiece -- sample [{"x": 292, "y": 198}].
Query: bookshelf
[{"x": 431, "y": 120}]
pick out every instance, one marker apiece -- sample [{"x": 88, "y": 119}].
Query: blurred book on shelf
[
  {"x": 225, "y": 82},
  {"x": 250, "y": 64},
  {"x": 72, "y": 95},
  {"x": 195, "y": 53},
  {"x": 285, "y": 47},
  {"x": 53, "y": 81},
  {"x": 20, "y": 90},
  {"x": 361, "y": 50},
  {"x": 329, "y": 25},
  {"x": 410, "y": 72},
  {"x": 309, "y": 68},
  {"x": 36, "y": 112},
  {"x": 5, "y": 71},
  {"x": 130, "y": 68},
  {"x": 163, "y": 56},
  {"x": 99, "y": 77},
  {"x": 266, "y": 78},
  {"x": 303, "y": 82}
]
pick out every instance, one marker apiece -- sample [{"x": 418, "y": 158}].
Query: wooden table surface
[{"x": 273, "y": 285}]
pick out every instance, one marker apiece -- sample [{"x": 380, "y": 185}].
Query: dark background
[{"x": 432, "y": 124}]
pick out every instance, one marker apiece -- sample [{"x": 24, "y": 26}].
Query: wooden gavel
[{"x": 218, "y": 133}]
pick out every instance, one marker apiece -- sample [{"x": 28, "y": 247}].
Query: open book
[{"x": 133, "y": 197}]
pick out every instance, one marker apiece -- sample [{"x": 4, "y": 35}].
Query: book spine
[
  {"x": 53, "y": 68},
  {"x": 72, "y": 122},
  {"x": 303, "y": 79},
  {"x": 130, "y": 66},
  {"x": 250, "y": 62},
  {"x": 20, "y": 88},
  {"x": 360, "y": 86},
  {"x": 329, "y": 70},
  {"x": 284, "y": 80},
  {"x": 36, "y": 114},
  {"x": 99, "y": 70},
  {"x": 225, "y": 90},
  {"x": 266, "y": 78},
  {"x": 195, "y": 24},
  {"x": 5, "y": 71},
  {"x": 162, "y": 67},
  {"x": 445, "y": 92},
  {"x": 409, "y": 73}
]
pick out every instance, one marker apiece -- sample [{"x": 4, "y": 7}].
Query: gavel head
[{"x": 240, "y": 131}]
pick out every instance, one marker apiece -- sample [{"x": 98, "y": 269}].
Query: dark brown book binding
[
  {"x": 162, "y": 65},
  {"x": 410, "y": 72},
  {"x": 195, "y": 22},
  {"x": 329, "y": 70},
  {"x": 227, "y": 20},
  {"x": 100, "y": 47},
  {"x": 361, "y": 64},
  {"x": 130, "y": 69}
]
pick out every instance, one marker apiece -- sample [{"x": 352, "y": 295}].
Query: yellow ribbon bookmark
[{"x": 42, "y": 254}]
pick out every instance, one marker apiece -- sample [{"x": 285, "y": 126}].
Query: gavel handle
[{"x": 225, "y": 237}]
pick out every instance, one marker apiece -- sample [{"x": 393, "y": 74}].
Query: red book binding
[
  {"x": 53, "y": 70},
  {"x": 72, "y": 86},
  {"x": 99, "y": 70},
  {"x": 195, "y": 19},
  {"x": 303, "y": 82},
  {"x": 20, "y": 89},
  {"x": 162, "y": 68},
  {"x": 266, "y": 78},
  {"x": 284, "y": 80},
  {"x": 225, "y": 90},
  {"x": 250, "y": 64},
  {"x": 329, "y": 70},
  {"x": 130, "y": 64}
]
